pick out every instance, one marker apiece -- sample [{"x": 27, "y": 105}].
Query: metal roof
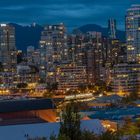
[{"x": 25, "y": 105}]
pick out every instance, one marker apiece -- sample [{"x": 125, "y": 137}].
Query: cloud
[{"x": 71, "y": 12}]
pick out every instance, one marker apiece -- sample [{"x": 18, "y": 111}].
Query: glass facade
[{"x": 133, "y": 33}]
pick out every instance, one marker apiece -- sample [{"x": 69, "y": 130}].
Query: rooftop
[
  {"x": 18, "y": 132},
  {"x": 7, "y": 106}
]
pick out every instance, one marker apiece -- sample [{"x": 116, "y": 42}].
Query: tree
[
  {"x": 72, "y": 92},
  {"x": 82, "y": 88},
  {"x": 52, "y": 86},
  {"x": 22, "y": 85},
  {"x": 91, "y": 87},
  {"x": 134, "y": 95},
  {"x": 129, "y": 128},
  {"x": 63, "y": 137},
  {"x": 1, "y": 67},
  {"x": 53, "y": 137},
  {"x": 47, "y": 94},
  {"x": 101, "y": 86},
  {"x": 138, "y": 124},
  {"x": 108, "y": 135},
  {"x": 70, "y": 122},
  {"x": 87, "y": 135}
]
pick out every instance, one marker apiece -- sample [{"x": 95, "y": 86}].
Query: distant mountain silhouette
[
  {"x": 30, "y": 35},
  {"x": 97, "y": 28},
  {"x": 27, "y": 35}
]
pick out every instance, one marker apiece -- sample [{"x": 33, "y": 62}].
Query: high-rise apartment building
[
  {"x": 94, "y": 57},
  {"x": 133, "y": 33},
  {"x": 126, "y": 78},
  {"x": 53, "y": 50},
  {"x": 112, "y": 28},
  {"x": 8, "y": 57},
  {"x": 70, "y": 77},
  {"x": 87, "y": 50},
  {"x": 30, "y": 52}
]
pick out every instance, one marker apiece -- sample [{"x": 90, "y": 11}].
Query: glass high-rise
[
  {"x": 133, "y": 33},
  {"x": 8, "y": 57}
]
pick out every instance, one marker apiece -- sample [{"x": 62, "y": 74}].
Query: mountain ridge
[
  {"x": 30, "y": 35},
  {"x": 94, "y": 27}
]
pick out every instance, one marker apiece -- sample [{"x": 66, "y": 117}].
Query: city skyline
[
  {"x": 50, "y": 12},
  {"x": 54, "y": 83}
]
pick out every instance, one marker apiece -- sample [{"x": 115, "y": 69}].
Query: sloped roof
[{"x": 18, "y": 132}]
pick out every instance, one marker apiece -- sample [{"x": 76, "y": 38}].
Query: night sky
[{"x": 73, "y": 13}]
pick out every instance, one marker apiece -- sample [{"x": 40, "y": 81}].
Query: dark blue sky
[{"x": 72, "y": 12}]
